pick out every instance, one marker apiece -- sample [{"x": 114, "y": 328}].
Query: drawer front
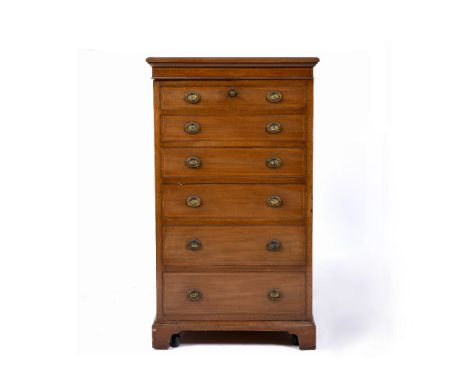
[
  {"x": 266, "y": 293},
  {"x": 281, "y": 201},
  {"x": 197, "y": 97},
  {"x": 198, "y": 127},
  {"x": 212, "y": 162},
  {"x": 236, "y": 245}
]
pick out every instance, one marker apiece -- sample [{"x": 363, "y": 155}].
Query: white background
[{"x": 390, "y": 178}]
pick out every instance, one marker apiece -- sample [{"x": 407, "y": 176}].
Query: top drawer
[{"x": 233, "y": 95}]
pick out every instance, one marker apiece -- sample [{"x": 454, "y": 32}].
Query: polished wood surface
[
  {"x": 282, "y": 62},
  {"x": 234, "y": 266},
  {"x": 232, "y": 68},
  {"x": 233, "y": 294},
  {"x": 230, "y": 129},
  {"x": 229, "y": 201},
  {"x": 218, "y": 73},
  {"x": 230, "y": 162},
  {"x": 304, "y": 329},
  {"x": 233, "y": 245},
  {"x": 250, "y": 96}
]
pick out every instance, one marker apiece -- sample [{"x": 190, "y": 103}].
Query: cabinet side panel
[
  {"x": 158, "y": 203},
  {"x": 309, "y": 197}
]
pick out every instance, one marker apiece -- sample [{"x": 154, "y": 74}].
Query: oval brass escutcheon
[
  {"x": 273, "y": 245},
  {"x": 274, "y": 96},
  {"x": 194, "y": 294},
  {"x": 274, "y": 294},
  {"x": 274, "y": 162},
  {"x": 274, "y": 201},
  {"x": 273, "y": 128},
  {"x": 192, "y": 128},
  {"x": 193, "y": 201},
  {"x": 192, "y": 97},
  {"x": 193, "y": 244},
  {"x": 193, "y": 162}
]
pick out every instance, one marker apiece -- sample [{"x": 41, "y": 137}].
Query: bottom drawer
[{"x": 262, "y": 293}]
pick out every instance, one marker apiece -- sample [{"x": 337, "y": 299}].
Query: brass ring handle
[
  {"x": 273, "y": 128},
  {"x": 193, "y": 162},
  {"x": 232, "y": 93},
  {"x": 274, "y": 294},
  {"x": 194, "y": 294},
  {"x": 192, "y": 128},
  {"x": 193, "y": 244},
  {"x": 192, "y": 97},
  {"x": 274, "y": 201},
  {"x": 274, "y": 96},
  {"x": 273, "y": 245},
  {"x": 274, "y": 162},
  {"x": 193, "y": 201}
]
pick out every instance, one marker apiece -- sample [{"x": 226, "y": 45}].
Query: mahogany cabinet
[{"x": 233, "y": 165}]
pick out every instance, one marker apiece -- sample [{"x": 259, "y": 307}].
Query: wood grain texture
[
  {"x": 233, "y": 61},
  {"x": 250, "y": 96},
  {"x": 309, "y": 208},
  {"x": 232, "y": 129},
  {"x": 233, "y": 201},
  {"x": 236, "y": 245},
  {"x": 230, "y": 73},
  {"x": 229, "y": 162},
  {"x": 236, "y": 293},
  {"x": 181, "y": 180},
  {"x": 233, "y": 268},
  {"x": 158, "y": 199},
  {"x": 304, "y": 329}
]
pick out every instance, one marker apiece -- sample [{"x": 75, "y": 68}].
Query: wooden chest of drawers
[{"x": 233, "y": 163}]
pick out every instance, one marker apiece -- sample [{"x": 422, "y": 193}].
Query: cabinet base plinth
[{"x": 304, "y": 330}]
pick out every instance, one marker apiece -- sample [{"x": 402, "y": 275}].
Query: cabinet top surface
[{"x": 233, "y": 61}]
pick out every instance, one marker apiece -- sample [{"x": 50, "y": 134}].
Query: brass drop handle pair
[
  {"x": 195, "y": 244},
  {"x": 196, "y": 294},
  {"x": 193, "y": 127},
  {"x": 195, "y": 162},
  {"x": 274, "y": 201},
  {"x": 195, "y": 97}
]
